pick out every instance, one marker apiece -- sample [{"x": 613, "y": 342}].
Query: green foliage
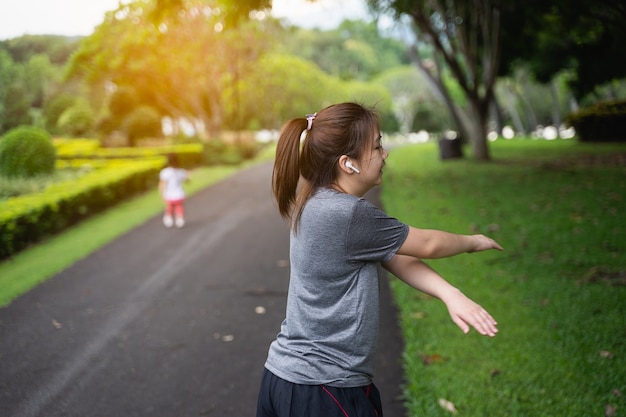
[
  {"x": 15, "y": 187},
  {"x": 76, "y": 120},
  {"x": 582, "y": 36},
  {"x": 122, "y": 102},
  {"x": 26, "y": 152},
  {"x": 16, "y": 107},
  {"x": 556, "y": 291},
  {"x": 143, "y": 122},
  {"x": 57, "y": 48},
  {"x": 55, "y": 108},
  {"x": 217, "y": 152},
  {"x": 284, "y": 87},
  {"x": 89, "y": 151},
  {"x": 353, "y": 51},
  {"x": 29, "y": 72},
  {"x": 38, "y": 74},
  {"x": 162, "y": 66},
  {"x": 602, "y": 122}
]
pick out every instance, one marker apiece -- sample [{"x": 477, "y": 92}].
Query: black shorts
[{"x": 280, "y": 398}]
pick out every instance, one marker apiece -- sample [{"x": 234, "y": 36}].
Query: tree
[
  {"x": 57, "y": 48},
  {"x": 30, "y": 73},
  {"x": 355, "y": 50},
  {"x": 412, "y": 96},
  {"x": 283, "y": 87},
  {"x": 176, "y": 59},
  {"x": 463, "y": 38}
]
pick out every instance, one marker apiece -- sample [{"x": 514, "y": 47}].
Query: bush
[
  {"x": 212, "y": 152},
  {"x": 55, "y": 108},
  {"x": 26, "y": 152},
  {"x": 76, "y": 120},
  {"x": 218, "y": 152},
  {"x": 602, "y": 122}
]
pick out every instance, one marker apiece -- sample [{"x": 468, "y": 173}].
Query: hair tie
[{"x": 309, "y": 120}]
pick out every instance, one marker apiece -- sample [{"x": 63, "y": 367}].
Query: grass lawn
[
  {"x": 42, "y": 261},
  {"x": 558, "y": 290}
]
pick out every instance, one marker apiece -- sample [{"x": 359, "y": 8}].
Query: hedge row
[
  {"x": 189, "y": 155},
  {"x": 27, "y": 219},
  {"x": 602, "y": 122}
]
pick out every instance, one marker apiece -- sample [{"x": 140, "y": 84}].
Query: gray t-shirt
[{"x": 330, "y": 332}]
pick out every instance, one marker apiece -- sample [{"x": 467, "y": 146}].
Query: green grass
[{"x": 558, "y": 290}]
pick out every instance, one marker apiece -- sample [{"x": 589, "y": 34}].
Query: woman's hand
[
  {"x": 466, "y": 313},
  {"x": 434, "y": 244},
  {"x": 482, "y": 242}
]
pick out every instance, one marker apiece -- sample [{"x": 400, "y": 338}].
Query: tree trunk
[
  {"x": 556, "y": 109},
  {"x": 477, "y": 130}
]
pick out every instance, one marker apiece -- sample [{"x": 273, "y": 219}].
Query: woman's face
[{"x": 373, "y": 161}]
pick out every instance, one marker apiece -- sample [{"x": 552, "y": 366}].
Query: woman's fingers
[{"x": 479, "y": 319}]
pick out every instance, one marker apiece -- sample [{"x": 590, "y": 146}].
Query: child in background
[
  {"x": 171, "y": 188},
  {"x": 321, "y": 364}
]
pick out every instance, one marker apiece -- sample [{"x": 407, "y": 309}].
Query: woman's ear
[{"x": 344, "y": 165}]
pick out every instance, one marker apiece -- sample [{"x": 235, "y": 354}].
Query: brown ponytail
[
  {"x": 340, "y": 129},
  {"x": 287, "y": 165}
]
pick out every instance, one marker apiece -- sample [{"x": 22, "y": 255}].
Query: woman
[{"x": 322, "y": 361}]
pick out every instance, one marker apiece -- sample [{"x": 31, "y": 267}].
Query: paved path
[{"x": 166, "y": 323}]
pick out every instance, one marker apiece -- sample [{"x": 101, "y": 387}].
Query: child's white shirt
[{"x": 174, "y": 179}]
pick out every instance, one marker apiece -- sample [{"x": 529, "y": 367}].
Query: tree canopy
[
  {"x": 584, "y": 37},
  {"x": 177, "y": 65}
]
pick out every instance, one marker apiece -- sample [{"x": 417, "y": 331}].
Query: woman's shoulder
[
  {"x": 330, "y": 196},
  {"x": 329, "y": 202}
]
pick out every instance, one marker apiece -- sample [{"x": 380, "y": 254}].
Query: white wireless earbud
[{"x": 352, "y": 167}]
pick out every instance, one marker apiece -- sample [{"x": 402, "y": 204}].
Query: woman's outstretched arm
[
  {"x": 464, "y": 312},
  {"x": 433, "y": 244}
]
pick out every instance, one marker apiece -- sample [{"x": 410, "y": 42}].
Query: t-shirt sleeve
[{"x": 373, "y": 235}]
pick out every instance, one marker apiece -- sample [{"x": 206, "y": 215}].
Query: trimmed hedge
[
  {"x": 28, "y": 219},
  {"x": 601, "y": 122},
  {"x": 189, "y": 155}
]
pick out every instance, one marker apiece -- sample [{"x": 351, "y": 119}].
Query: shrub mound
[
  {"x": 602, "y": 122},
  {"x": 26, "y": 152}
]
